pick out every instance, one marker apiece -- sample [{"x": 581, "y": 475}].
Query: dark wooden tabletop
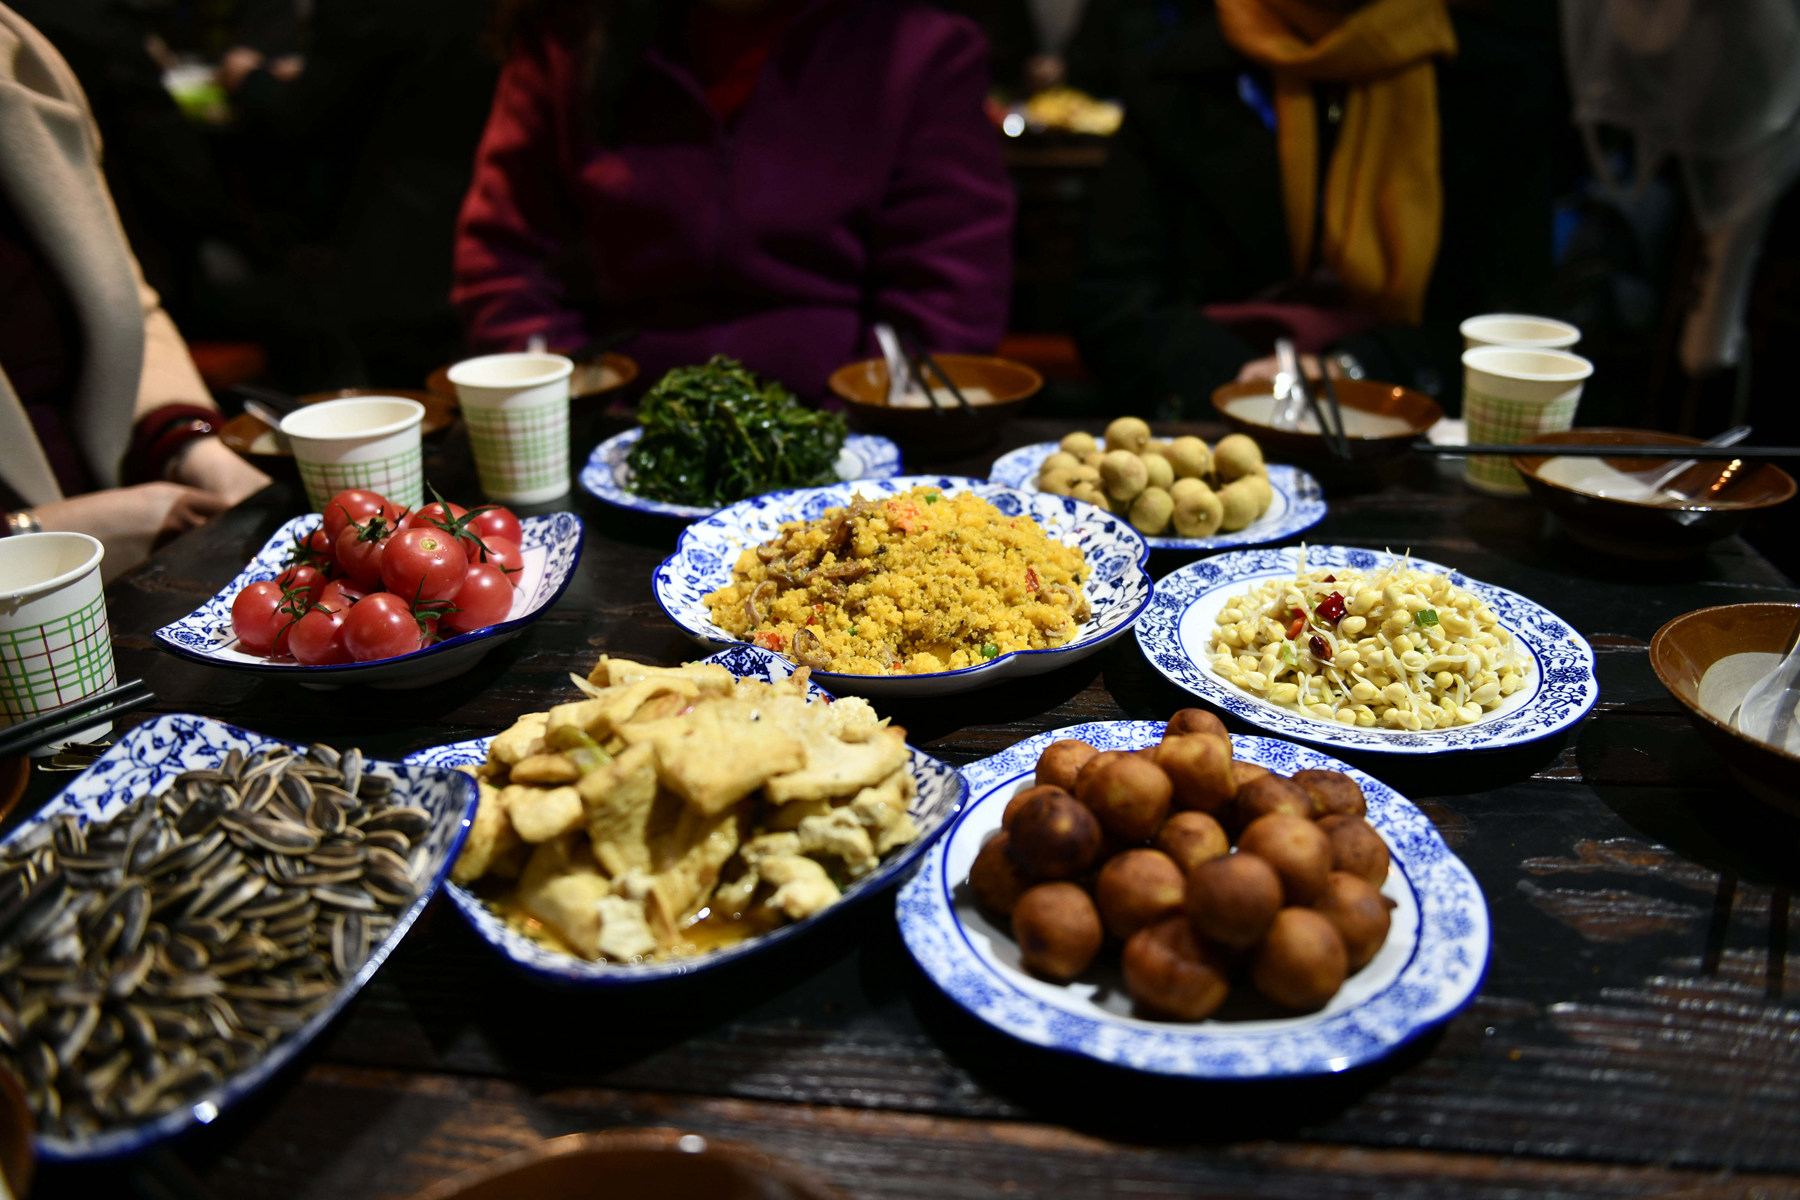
[{"x": 1634, "y": 1036}]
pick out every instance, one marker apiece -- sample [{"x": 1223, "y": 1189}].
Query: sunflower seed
[
  {"x": 413, "y": 822},
  {"x": 283, "y": 837}
]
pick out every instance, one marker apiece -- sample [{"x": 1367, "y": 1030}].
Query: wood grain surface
[{"x": 1637, "y": 1033}]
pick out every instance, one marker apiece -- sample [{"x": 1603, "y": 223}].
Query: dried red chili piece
[{"x": 1331, "y": 608}]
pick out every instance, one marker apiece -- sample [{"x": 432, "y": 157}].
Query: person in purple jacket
[{"x": 765, "y": 179}]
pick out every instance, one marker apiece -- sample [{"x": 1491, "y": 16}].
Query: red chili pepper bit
[
  {"x": 1331, "y": 608},
  {"x": 1331, "y": 579},
  {"x": 1296, "y": 622},
  {"x": 1031, "y": 580},
  {"x": 1321, "y": 649}
]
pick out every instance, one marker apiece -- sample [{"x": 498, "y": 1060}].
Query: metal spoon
[{"x": 1766, "y": 712}]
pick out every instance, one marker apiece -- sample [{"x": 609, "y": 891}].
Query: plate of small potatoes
[
  {"x": 1181, "y": 493},
  {"x": 1166, "y": 898}
]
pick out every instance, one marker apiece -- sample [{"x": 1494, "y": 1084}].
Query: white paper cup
[
  {"x": 1511, "y": 394},
  {"x": 363, "y": 442},
  {"x": 517, "y": 410},
  {"x": 1518, "y": 329},
  {"x": 55, "y": 646}
]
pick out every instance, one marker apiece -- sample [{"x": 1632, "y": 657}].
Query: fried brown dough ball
[
  {"x": 1191, "y": 838},
  {"x": 994, "y": 877},
  {"x": 1194, "y": 720},
  {"x": 1296, "y": 848},
  {"x": 1271, "y": 793},
  {"x": 1231, "y": 900},
  {"x": 1026, "y": 796},
  {"x": 1358, "y": 912},
  {"x": 1138, "y": 888},
  {"x": 1061, "y": 761},
  {"x": 1357, "y": 848},
  {"x": 1301, "y": 962},
  {"x": 1199, "y": 767},
  {"x": 1130, "y": 795},
  {"x": 1054, "y": 837},
  {"x": 1058, "y": 930},
  {"x": 1171, "y": 973},
  {"x": 1333, "y": 793}
]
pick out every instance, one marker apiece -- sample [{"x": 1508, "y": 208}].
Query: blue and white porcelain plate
[
  {"x": 146, "y": 761},
  {"x": 1176, "y": 632},
  {"x": 550, "y": 547},
  {"x": 1428, "y": 969},
  {"x": 939, "y": 797},
  {"x": 1299, "y": 502},
  {"x": 1117, "y": 589},
  {"x": 608, "y": 476}
]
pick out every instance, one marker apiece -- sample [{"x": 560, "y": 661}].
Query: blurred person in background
[
  {"x": 760, "y": 178},
  {"x": 107, "y": 427},
  {"x": 1359, "y": 175}
]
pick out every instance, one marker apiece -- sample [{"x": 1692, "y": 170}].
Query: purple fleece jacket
[{"x": 861, "y": 182}]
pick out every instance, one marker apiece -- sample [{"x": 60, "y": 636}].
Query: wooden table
[{"x": 1634, "y": 1036}]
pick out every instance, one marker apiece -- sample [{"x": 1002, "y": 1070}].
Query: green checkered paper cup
[
  {"x": 1511, "y": 394},
  {"x": 363, "y": 442},
  {"x": 517, "y": 410},
  {"x": 55, "y": 646}
]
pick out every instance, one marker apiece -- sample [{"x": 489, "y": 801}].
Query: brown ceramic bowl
[
  {"x": 1393, "y": 417},
  {"x": 1653, "y": 532},
  {"x": 251, "y": 436},
  {"x": 930, "y": 432},
  {"x": 644, "y": 1164},
  {"x": 608, "y": 373},
  {"x": 1683, "y": 650}
]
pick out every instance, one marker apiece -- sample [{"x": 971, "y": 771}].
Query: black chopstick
[
  {"x": 944, "y": 375},
  {"x": 1337, "y": 412},
  {"x": 1332, "y": 442},
  {"x": 917, "y": 375},
  {"x": 67, "y": 719},
  {"x": 1598, "y": 450}
]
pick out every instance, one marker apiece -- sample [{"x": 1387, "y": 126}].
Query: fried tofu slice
[
  {"x": 624, "y": 933},
  {"x": 540, "y": 814},
  {"x": 713, "y": 757},
  {"x": 708, "y": 678},
  {"x": 562, "y": 887},
  {"x": 839, "y": 834},
  {"x": 836, "y": 768},
  {"x": 687, "y": 859},
  {"x": 491, "y": 836},
  {"x": 618, "y": 798},
  {"x": 545, "y": 770},
  {"x": 525, "y": 738},
  {"x": 802, "y": 887}
]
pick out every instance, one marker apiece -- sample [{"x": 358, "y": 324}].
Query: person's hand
[
  {"x": 287, "y": 68},
  {"x": 236, "y": 66},
  {"x": 210, "y": 464},
  {"x": 1265, "y": 369},
  {"x": 132, "y": 521}
]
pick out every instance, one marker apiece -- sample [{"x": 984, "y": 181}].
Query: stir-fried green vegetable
[{"x": 716, "y": 434}]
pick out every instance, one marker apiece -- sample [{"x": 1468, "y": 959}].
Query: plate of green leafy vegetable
[{"x": 711, "y": 435}]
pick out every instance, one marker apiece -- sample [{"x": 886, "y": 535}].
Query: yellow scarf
[{"x": 1384, "y": 196}]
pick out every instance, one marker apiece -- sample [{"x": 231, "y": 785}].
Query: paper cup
[
  {"x": 517, "y": 410},
  {"x": 1511, "y": 394},
  {"x": 363, "y": 442},
  {"x": 1518, "y": 329},
  {"x": 55, "y": 646}
]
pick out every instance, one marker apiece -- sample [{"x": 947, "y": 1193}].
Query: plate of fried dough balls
[
  {"x": 1169, "y": 898},
  {"x": 1180, "y": 493}
]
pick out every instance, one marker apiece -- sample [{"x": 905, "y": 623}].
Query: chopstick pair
[
  {"x": 64, "y": 721},
  {"x": 1292, "y": 367},
  {"x": 918, "y": 362},
  {"x": 1599, "y": 450}
]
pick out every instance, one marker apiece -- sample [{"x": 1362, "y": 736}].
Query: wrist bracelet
[
  {"x": 163, "y": 433},
  {"x": 20, "y": 521}
]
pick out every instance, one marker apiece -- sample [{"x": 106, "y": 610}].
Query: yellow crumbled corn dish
[
  {"x": 1410, "y": 651},
  {"x": 916, "y": 583}
]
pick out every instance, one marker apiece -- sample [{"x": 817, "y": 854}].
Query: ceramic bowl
[
  {"x": 930, "y": 432},
  {"x": 1683, "y": 650},
  {"x": 608, "y": 373},
  {"x": 550, "y": 548},
  {"x": 1653, "y": 532},
  {"x": 1404, "y": 416},
  {"x": 648, "y": 1163},
  {"x": 252, "y": 438}
]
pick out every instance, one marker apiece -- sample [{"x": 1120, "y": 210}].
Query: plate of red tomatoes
[{"x": 368, "y": 592}]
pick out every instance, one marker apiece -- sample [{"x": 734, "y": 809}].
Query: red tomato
[
  {"x": 317, "y": 639},
  {"x": 303, "y": 579},
  {"x": 423, "y": 565},
  {"x": 339, "y": 593},
  {"x": 381, "y": 626},
  {"x": 313, "y": 550},
  {"x": 351, "y": 507},
  {"x": 261, "y": 616},
  {"x": 440, "y": 513},
  {"x": 492, "y": 521},
  {"x": 484, "y": 599},
  {"x": 360, "y": 549},
  {"x": 504, "y": 554}
]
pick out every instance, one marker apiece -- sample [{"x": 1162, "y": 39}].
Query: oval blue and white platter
[
  {"x": 607, "y": 476},
  {"x": 939, "y": 797},
  {"x": 1117, "y": 589},
  {"x": 1176, "y": 630},
  {"x": 550, "y": 547},
  {"x": 146, "y": 760},
  {"x": 1298, "y": 504},
  {"x": 1429, "y": 968}
]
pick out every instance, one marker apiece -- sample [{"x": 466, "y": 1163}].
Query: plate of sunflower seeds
[{"x": 182, "y": 919}]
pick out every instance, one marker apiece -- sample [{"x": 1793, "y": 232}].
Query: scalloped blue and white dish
[
  {"x": 1117, "y": 590},
  {"x": 1429, "y": 968},
  {"x": 1299, "y": 501},
  {"x": 1175, "y": 631},
  {"x": 147, "y": 759},
  {"x": 607, "y": 476},
  {"x": 550, "y": 548},
  {"x": 940, "y": 793}
]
